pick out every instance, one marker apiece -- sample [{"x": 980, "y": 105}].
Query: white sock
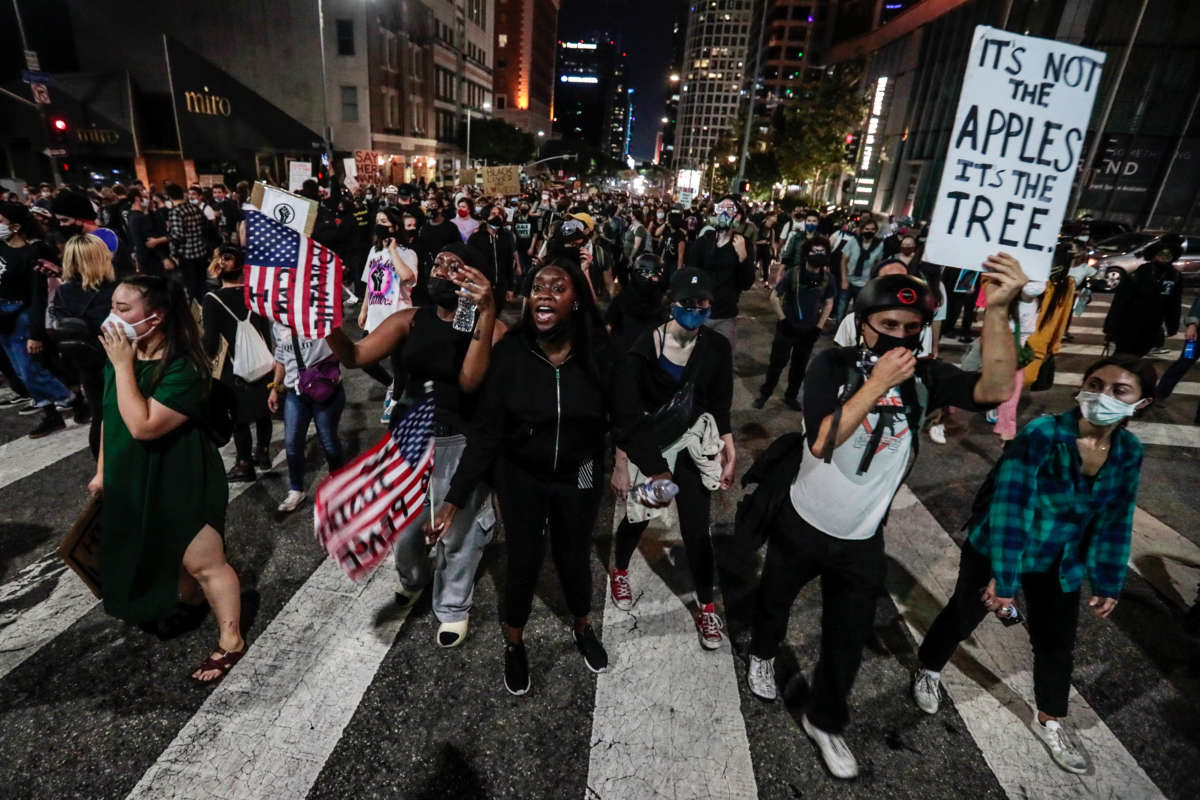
[{"x": 937, "y": 676}]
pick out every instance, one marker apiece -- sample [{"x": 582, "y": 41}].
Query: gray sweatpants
[{"x": 456, "y": 555}]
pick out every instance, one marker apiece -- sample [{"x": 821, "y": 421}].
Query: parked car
[
  {"x": 1119, "y": 255},
  {"x": 1095, "y": 230}
]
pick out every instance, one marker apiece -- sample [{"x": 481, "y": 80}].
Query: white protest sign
[
  {"x": 350, "y": 167},
  {"x": 1016, "y": 143},
  {"x": 296, "y": 212},
  {"x": 298, "y": 173}
]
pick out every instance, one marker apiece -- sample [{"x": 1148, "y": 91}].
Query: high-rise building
[
  {"x": 618, "y": 113},
  {"x": 590, "y": 74},
  {"x": 523, "y": 80},
  {"x": 666, "y": 146},
  {"x": 715, "y": 64}
]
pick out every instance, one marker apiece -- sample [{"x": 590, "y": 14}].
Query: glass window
[
  {"x": 349, "y": 104},
  {"x": 345, "y": 37}
]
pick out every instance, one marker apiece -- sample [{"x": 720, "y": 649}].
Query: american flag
[
  {"x": 359, "y": 510},
  {"x": 292, "y": 279}
]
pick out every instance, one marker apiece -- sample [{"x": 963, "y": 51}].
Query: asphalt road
[{"x": 343, "y": 697}]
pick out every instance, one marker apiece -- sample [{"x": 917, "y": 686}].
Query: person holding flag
[{"x": 431, "y": 349}]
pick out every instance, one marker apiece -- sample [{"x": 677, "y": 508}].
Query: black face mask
[
  {"x": 818, "y": 259},
  {"x": 868, "y": 235},
  {"x": 70, "y": 230},
  {"x": 885, "y": 342},
  {"x": 443, "y": 293},
  {"x": 383, "y": 232}
]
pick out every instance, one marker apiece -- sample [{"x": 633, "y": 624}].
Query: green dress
[{"x": 157, "y": 494}]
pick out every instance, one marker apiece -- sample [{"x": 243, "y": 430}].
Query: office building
[
  {"x": 525, "y": 53},
  {"x": 715, "y": 65},
  {"x": 665, "y": 149},
  {"x": 591, "y": 95}
]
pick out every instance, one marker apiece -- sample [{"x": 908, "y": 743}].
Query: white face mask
[
  {"x": 128, "y": 328},
  {"x": 5, "y": 232},
  {"x": 1103, "y": 409}
]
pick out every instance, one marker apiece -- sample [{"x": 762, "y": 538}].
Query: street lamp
[
  {"x": 486, "y": 107},
  {"x": 541, "y": 138}
]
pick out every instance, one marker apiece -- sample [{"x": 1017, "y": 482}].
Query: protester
[
  {"x": 456, "y": 362},
  {"x": 161, "y": 476},
  {"x": 1145, "y": 301},
  {"x": 860, "y": 255},
  {"x": 672, "y": 394},
  {"x": 496, "y": 244},
  {"x": 79, "y": 308},
  {"x": 639, "y": 305},
  {"x": 1057, "y": 507},
  {"x": 23, "y": 299},
  {"x": 389, "y": 277},
  {"x": 854, "y": 401},
  {"x": 321, "y": 398},
  {"x": 465, "y": 220},
  {"x": 1177, "y": 370},
  {"x": 190, "y": 250},
  {"x": 222, "y": 311},
  {"x": 726, "y": 256},
  {"x": 802, "y": 300},
  {"x": 540, "y": 433}
]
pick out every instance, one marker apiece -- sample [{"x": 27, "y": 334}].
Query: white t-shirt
[
  {"x": 847, "y": 335},
  {"x": 311, "y": 350},
  {"x": 386, "y": 293}
]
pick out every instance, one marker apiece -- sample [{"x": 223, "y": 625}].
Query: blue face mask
[
  {"x": 810, "y": 227},
  {"x": 690, "y": 318}
]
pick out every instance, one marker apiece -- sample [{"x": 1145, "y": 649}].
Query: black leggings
[
  {"x": 694, "y": 506},
  {"x": 534, "y": 510},
  {"x": 1052, "y": 616},
  {"x": 241, "y": 437}
]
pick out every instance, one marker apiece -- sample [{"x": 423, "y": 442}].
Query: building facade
[
  {"x": 715, "y": 64},
  {"x": 525, "y": 53},
  {"x": 665, "y": 150},
  {"x": 1147, "y": 166},
  {"x": 590, "y": 75}
]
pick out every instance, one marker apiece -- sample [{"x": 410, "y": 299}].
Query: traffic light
[
  {"x": 59, "y": 130},
  {"x": 851, "y": 152}
]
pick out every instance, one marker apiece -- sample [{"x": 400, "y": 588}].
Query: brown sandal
[{"x": 224, "y": 662}]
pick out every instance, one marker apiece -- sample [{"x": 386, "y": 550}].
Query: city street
[{"x": 342, "y": 696}]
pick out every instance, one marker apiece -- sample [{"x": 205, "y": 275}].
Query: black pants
[
  {"x": 241, "y": 437},
  {"x": 194, "y": 274},
  {"x": 694, "y": 504},
  {"x": 791, "y": 343},
  {"x": 534, "y": 510},
  {"x": 1052, "y": 616},
  {"x": 92, "y": 382},
  {"x": 851, "y": 578},
  {"x": 957, "y": 303}
]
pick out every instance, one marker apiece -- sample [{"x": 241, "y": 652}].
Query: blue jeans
[
  {"x": 33, "y": 373},
  {"x": 298, "y": 411},
  {"x": 844, "y": 298}
]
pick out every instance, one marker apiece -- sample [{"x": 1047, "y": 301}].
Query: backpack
[
  {"x": 773, "y": 472},
  {"x": 252, "y": 359},
  {"x": 222, "y": 412}
]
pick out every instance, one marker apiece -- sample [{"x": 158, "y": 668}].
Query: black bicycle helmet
[{"x": 895, "y": 291}]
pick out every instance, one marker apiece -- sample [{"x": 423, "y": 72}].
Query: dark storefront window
[{"x": 345, "y": 37}]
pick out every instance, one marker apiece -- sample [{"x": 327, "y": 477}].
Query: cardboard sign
[
  {"x": 80, "y": 548},
  {"x": 350, "y": 167},
  {"x": 207, "y": 181},
  {"x": 1015, "y": 147},
  {"x": 467, "y": 177},
  {"x": 366, "y": 166},
  {"x": 296, "y": 212},
  {"x": 298, "y": 173},
  {"x": 504, "y": 180}
]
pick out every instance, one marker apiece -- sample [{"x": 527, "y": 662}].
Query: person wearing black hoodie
[
  {"x": 638, "y": 307},
  {"x": 540, "y": 433},
  {"x": 1146, "y": 300}
]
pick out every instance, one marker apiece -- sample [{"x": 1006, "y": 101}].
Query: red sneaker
[
  {"x": 709, "y": 626},
  {"x": 622, "y": 593}
]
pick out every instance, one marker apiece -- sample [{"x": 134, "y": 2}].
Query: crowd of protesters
[{"x": 604, "y": 343}]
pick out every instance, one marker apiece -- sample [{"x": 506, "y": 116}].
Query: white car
[{"x": 1114, "y": 257}]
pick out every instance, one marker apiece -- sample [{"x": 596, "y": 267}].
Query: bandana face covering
[{"x": 885, "y": 342}]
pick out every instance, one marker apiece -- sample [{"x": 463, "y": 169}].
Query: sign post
[{"x": 1015, "y": 147}]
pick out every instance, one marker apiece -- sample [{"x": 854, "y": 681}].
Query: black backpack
[{"x": 222, "y": 412}]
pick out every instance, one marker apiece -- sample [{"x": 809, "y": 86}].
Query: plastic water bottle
[
  {"x": 464, "y": 315},
  {"x": 1189, "y": 349},
  {"x": 655, "y": 492},
  {"x": 1012, "y": 616}
]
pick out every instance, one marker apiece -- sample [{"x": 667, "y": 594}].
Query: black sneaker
[
  {"x": 516, "y": 669},
  {"x": 15, "y": 401},
  {"x": 792, "y": 403},
  {"x": 242, "y": 472},
  {"x": 50, "y": 423},
  {"x": 594, "y": 655},
  {"x": 262, "y": 458},
  {"x": 82, "y": 412},
  {"x": 35, "y": 407}
]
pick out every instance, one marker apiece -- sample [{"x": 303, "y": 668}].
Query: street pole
[
  {"x": 762, "y": 29},
  {"x": 324, "y": 90},
  {"x": 41, "y": 109},
  {"x": 468, "y": 137},
  {"x": 1085, "y": 174}
]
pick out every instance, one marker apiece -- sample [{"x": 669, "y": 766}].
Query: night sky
[{"x": 642, "y": 29}]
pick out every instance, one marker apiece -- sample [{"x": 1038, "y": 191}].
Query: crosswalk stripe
[
  {"x": 268, "y": 728},
  {"x": 25, "y": 456},
  {"x": 1166, "y": 433},
  {"x": 995, "y": 706},
  {"x": 1075, "y": 379},
  {"x": 70, "y": 599},
  {"x": 1077, "y": 349},
  {"x": 1167, "y": 560},
  {"x": 667, "y": 719}
]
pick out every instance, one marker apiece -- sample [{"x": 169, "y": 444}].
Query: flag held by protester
[
  {"x": 291, "y": 279},
  {"x": 360, "y": 509}
]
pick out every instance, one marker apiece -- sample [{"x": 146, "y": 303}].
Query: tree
[
  {"x": 810, "y": 133},
  {"x": 497, "y": 142}
]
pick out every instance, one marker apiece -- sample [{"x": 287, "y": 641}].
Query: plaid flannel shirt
[
  {"x": 185, "y": 226},
  {"x": 1043, "y": 509}
]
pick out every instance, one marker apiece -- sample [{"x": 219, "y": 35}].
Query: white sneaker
[
  {"x": 761, "y": 677},
  {"x": 1062, "y": 749},
  {"x": 927, "y": 690},
  {"x": 937, "y": 433},
  {"x": 406, "y": 597},
  {"x": 292, "y": 501},
  {"x": 452, "y": 634},
  {"x": 834, "y": 752}
]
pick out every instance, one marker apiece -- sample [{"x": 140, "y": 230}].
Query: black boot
[{"x": 242, "y": 472}]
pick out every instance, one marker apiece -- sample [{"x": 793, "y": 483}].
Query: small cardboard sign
[
  {"x": 298, "y": 173},
  {"x": 296, "y": 212},
  {"x": 1017, "y": 140},
  {"x": 503, "y": 180}
]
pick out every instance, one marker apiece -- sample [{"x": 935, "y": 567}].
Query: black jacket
[
  {"x": 1144, "y": 302},
  {"x": 641, "y": 387},
  {"x": 544, "y": 419},
  {"x": 730, "y": 276}
]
